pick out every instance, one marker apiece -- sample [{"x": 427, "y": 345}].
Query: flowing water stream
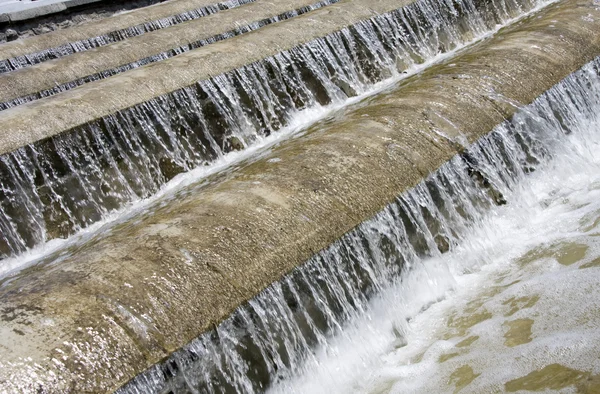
[
  {"x": 514, "y": 305},
  {"x": 157, "y": 57},
  {"x": 64, "y": 184},
  {"x": 18, "y": 62},
  {"x": 483, "y": 278}
]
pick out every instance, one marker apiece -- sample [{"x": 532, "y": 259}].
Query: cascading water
[
  {"x": 352, "y": 302},
  {"x": 162, "y": 56},
  {"x": 19, "y": 62},
  {"x": 130, "y": 155}
]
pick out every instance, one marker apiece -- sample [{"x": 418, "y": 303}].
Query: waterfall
[
  {"x": 163, "y": 55},
  {"x": 58, "y": 186},
  {"x": 18, "y": 62},
  {"x": 280, "y": 333}
]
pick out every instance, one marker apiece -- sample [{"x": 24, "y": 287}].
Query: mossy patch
[
  {"x": 417, "y": 359},
  {"x": 459, "y": 324},
  {"x": 571, "y": 253},
  {"x": 516, "y": 304},
  {"x": 519, "y": 332},
  {"x": 590, "y": 221},
  {"x": 551, "y": 377},
  {"x": 445, "y": 357},
  {"x": 468, "y": 341},
  {"x": 566, "y": 253},
  {"x": 462, "y": 377},
  {"x": 591, "y": 264}
]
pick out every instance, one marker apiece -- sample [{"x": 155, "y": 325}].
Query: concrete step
[
  {"x": 47, "y": 188},
  {"x": 95, "y": 100},
  {"x": 141, "y": 147},
  {"x": 32, "y": 50},
  {"x": 65, "y": 73}
]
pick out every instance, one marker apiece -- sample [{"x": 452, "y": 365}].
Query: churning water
[
  {"x": 513, "y": 306},
  {"x": 482, "y": 278}
]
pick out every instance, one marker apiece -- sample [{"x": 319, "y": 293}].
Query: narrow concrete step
[
  {"x": 65, "y": 73},
  {"x": 75, "y": 108},
  {"x": 18, "y": 11},
  {"x": 32, "y": 50}
]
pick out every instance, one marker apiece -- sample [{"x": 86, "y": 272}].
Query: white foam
[{"x": 555, "y": 206}]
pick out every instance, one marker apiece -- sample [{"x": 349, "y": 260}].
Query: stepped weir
[{"x": 211, "y": 197}]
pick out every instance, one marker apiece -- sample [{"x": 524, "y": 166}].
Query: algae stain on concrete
[
  {"x": 462, "y": 377},
  {"x": 385, "y": 387},
  {"x": 590, "y": 222},
  {"x": 418, "y": 358},
  {"x": 570, "y": 253},
  {"x": 534, "y": 255},
  {"x": 591, "y": 264},
  {"x": 445, "y": 357},
  {"x": 551, "y": 377},
  {"x": 516, "y": 304},
  {"x": 460, "y": 324},
  {"x": 566, "y": 253},
  {"x": 589, "y": 385},
  {"x": 468, "y": 341},
  {"x": 519, "y": 332}
]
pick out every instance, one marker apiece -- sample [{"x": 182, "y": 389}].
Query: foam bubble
[{"x": 516, "y": 307}]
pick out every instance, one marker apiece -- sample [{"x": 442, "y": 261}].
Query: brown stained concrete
[
  {"x": 60, "y": 71},
  {"x": 518, "y": 332},
  {"x": 47, "y": 117},
  {"x": 114, "y": 306},
  {"x": 565, "y": 253},
  {"x": 140, "y": 16},
  {"x": 468, "y": 341},
  {"x": 552, "y": 377},
  {"x": 517, "y": 304},
  {"x": 462, "y": 377}
]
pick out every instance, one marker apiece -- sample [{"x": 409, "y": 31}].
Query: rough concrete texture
[
  {"x": 47, "y": 117},
  {"x": 79, "y": 3},
  {"x": 49, "y": 74},
  {"x": 18, "y": 11},
  {"x": 14, "y": 6},
  {"x": 106, "y": 310},
  {"x": 99, "y": 27},
  {"x": 36, "y": 12}
]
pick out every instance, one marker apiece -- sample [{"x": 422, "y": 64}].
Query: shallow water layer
[{"x": 514, "y": 323}]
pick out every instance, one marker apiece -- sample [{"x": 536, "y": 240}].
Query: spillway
[
  {"x": 316, "y": 203},
  {"x": 73, "y": 71},
  {"x": 359, "y": 296},
  {"x": 136, "y": 151}
]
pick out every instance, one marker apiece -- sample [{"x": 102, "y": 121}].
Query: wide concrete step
[
  {"x": 95, "y": 318},
  {"x": 68, "y": 72},
  {"x": 24, "y": 18}
]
